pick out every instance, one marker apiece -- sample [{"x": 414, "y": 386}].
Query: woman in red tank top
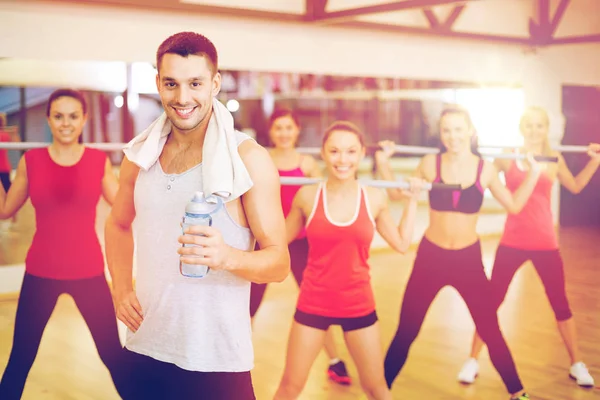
[
  {"x": 530, "y": 236},
  {"x": 64, "y": 181},
  {"x": 284, "y": 130},
  {"x": 341, "y": 218}
]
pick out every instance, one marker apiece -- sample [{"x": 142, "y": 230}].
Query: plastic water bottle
[{"x": 198, "y": 212}]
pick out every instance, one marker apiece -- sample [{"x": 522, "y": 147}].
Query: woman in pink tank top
[
  {"x": 284, "y": 130},
  {"x": 530, "y": 236}
]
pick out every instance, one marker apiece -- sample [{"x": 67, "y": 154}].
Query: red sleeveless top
[
  {"x": 533, "y": 227},
  {"x": 289, "y": 191},
  {"x": 337, "y": 281},
  {"x": 65, "y": 244}
]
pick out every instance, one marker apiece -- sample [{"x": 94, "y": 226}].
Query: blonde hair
[{"x": 547, "y": 149}]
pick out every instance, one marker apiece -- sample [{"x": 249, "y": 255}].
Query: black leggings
[
  {"x": 463, "y": 269},
  {"x": 151, "y": 379},
  {"x": 5, "y": 178},
  {"x": 298, "y": 256},
  {"x": 549, "y": 266},
  {"x": 36, "y": 302}
]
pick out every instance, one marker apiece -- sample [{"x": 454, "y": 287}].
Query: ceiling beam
[
  {"x": 560, "y": 11},
  {"x": 441, "y": 32},
  {"x": 315, "y": 9},
  {"x": 576, "y": 39},
  {"x": 432, "y": 32},
  {"x": 449, "y": 23},
  {"x": 543, "y": 30},
  {"x": 178, "y": 6},
  {"x": 431, "y": 18},
  {"x": 543, "y": 10},
  {"x": 350, "y": 14},
  {"x": 446, "y": 26}
]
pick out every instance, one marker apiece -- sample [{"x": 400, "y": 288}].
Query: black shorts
[{"x": 323, "y": 323}]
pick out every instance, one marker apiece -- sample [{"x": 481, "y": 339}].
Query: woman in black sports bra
[{"x": 450, "y": 252}]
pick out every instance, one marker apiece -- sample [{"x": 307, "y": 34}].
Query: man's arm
[
  {"x": 119, "y": 248},
  {"x": 262, "y": 206},
  {"x": 295, "y": 220},
  {"x": 110, "y": 184}
]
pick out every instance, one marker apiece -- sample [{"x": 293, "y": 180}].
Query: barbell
[
  {"x": 300, "y": 181},
  {"x": 37, "y": 145},
  {"x": 399, "y": 149},
  {"x": 422, "y": 150}
]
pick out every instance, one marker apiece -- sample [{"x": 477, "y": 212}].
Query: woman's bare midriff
[{"x": 452, "y": 230}]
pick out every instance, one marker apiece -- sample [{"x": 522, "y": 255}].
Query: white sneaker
[
  {"x": 469, "y": 371},
  {"x": 580, "y": 373}
]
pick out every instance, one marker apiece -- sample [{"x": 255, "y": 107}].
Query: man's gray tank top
[{"x": 198, "y": 324}]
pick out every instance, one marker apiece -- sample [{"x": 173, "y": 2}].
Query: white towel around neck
[{"x": 223, "y": 171}]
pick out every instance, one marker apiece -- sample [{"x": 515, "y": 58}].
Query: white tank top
[{"x": 197, "y": 324}]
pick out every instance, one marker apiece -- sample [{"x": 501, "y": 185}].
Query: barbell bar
[
  {"x": 300, "y": 181},
  {"x": 433, "y": 150},
  {"x": 403, "y": 149},
  {"x": 37, "y": 145}
]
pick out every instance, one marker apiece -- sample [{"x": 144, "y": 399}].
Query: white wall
[{"x": 33, "y": 30}]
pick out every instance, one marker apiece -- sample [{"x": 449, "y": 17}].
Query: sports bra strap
[
  {"x": 438, "y": 167},
  {"x": 479, "y": 169}
]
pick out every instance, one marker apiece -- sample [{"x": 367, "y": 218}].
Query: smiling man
[{"x": 190, "y": 338}]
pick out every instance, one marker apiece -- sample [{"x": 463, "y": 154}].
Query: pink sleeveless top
[
  {"x": 288, "y": 192},
  {"x": 533, "y": 227}
]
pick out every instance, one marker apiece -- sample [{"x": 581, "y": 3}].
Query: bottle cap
[{"x": 199, "y": 204}]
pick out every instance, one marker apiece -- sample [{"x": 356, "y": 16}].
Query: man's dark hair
[{"x": 189, "y": 43}]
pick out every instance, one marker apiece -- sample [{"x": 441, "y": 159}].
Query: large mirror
[{"x": 122, "y": 101}]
